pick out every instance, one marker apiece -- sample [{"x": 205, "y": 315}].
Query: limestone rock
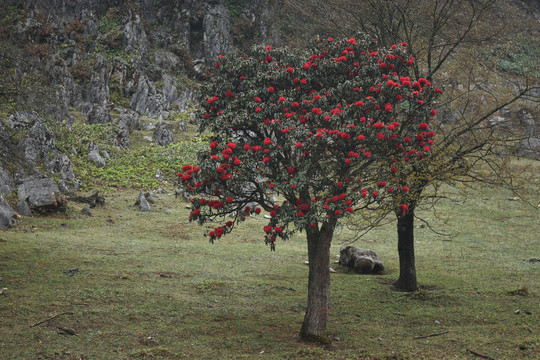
[
  {"x": 61, "y": 166},
  {"x": 146, "y": 99},
  {"x": 182, "y": 126},
  {"x": 23, "y": 120},
  {"x": 23, "y": 208},
  {"x": 144, "y": 205},
  {"x": 361, "y": 260},
  {"x": 96, "y": 158},
  {"x": 6, "y": 181},
  {"x": 163, "y": 134},
  {"x": 217, "y": 30},
  {"x": 129, "y": 119},
  {"x": 7, "y": 215},
  {"x": 98, "y": 87},
  {"x": 38, "y": 143},
  {"x": 40, "y": 191}
]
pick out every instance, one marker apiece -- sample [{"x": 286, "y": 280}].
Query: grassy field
[{"x": 136, "y": 285}]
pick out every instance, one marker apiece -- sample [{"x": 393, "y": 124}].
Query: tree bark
[
  {"x": 407, "y": 268},
  {"x": 316, "y": 318}
]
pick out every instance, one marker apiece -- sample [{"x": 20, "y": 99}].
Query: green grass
[{"x": 150, "y": 286}]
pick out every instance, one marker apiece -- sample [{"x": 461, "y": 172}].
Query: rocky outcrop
[
  {"x": 23, "y": 120},
  {"x": 38, "y": 143},
  {"x": 6, "y": 181}
]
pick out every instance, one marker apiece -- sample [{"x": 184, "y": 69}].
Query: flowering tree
[
  {"x": 444, "y": 37},
  {"x": 310, "y": 136}
]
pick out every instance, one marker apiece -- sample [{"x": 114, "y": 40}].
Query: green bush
[{"x": 132, "y": 168}]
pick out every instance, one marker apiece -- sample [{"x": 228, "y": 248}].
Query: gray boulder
[
  {"x": 96, "y": 158},
  {"x": 142, "y": 203},
  {"x": 146, "y": 99},
  {"x": 7, "y": 215},
  {"x": 23, "y": 208},
  {"x": 129, "y": 119},
  {"x": 363, "y": 261},
  {"x": 40, "y": 191},
  {"x": 163, "y": 135}
]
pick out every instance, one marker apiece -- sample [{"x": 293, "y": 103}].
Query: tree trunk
[
  {"x": 314, "y": 326},
  {"x": 407, "y": 267}
]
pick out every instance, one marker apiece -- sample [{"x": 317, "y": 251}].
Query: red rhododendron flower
[
  {"x": 228, "y": 94},
  {"x": 404, "y": 208},
  {"x": 290, "y": 70}
]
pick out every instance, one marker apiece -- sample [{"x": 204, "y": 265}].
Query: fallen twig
[
  {"x": 485, "y": 357},
  {"x": 65, "y": 330},
  {"x": 52, "y": 317},
  {"x": 430, "y": 335}
]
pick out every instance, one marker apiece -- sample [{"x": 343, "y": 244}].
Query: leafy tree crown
[{"x": 309, "y": 135}]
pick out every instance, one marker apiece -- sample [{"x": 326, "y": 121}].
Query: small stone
[
  {"x": 517, "y": 312},
  {"x": 144, "y": 205},
  {"x": 437, "y": 322},
  {"x": 332, "y": 270}
]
